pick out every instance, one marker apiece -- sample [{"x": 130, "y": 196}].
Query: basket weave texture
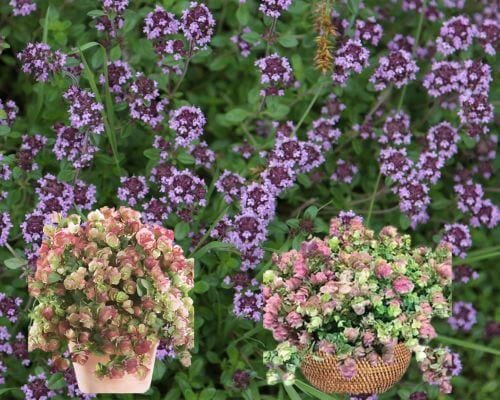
[{"x": 325, "y": 375}]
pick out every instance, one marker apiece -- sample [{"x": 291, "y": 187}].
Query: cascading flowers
[
  {"x": 111, "y": 285},
  {"x": 355, "y": 295}
]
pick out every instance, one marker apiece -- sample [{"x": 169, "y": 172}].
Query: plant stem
[
  {"x": 372, "y": 200},
  {"x": 184, "y": 71},
  {"x": 309, "y": 107},
  {"x": 468, "y": 345},
  {"x": 12, "y": 251}
]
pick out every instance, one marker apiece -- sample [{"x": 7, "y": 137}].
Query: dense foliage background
[{"x": 224, "y": 83}]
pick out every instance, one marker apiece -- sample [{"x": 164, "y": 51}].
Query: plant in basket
[
  {"x": 110, "y": 289},
  {"x": 349, "y": 310}
]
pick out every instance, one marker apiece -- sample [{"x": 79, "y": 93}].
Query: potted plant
[
  {"x": 109, "y": 289},
  {"x": 349, "y": 310}
]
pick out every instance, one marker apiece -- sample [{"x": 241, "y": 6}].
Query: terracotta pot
[
  {"x": 323, "y": 372},
  {"x": 88, "y": 382}
]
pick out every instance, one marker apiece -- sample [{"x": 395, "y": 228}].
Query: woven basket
[{"x": 325, "y": 375}]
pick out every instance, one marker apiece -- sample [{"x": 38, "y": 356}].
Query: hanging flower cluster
[
  {"x": 355, "y": 295},
  {"x": 112, "y": 285}
]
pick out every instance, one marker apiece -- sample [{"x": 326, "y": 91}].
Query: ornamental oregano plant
[
  {"x": 111, "y": 285},
  {"x": 244, "y": 127},
  {"x": 356, "y": 295}
]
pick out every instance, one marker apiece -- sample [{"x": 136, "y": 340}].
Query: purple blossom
[
  {"x": 429, "y": 166},
  {"x": 10, "y": 108},
  {"x": 22, "y": 7},
  {"x": 276, "y": 75},
  {"x": 248, "y": 230},
  {"x": 163, "y": 145},
  {"x": 492, "y": 329},
  {"x": 344, "y": 172},
  {"x": 463, "y": 316},
  {"x": 312, "y": 156},
  {"x": 188, "y": 123},
  {"x": 401, "y": 42},
  {"x": 278, "y": 176},
  {"x": 197, "y": 24},
  {"x": 445, "y": 77},
  {"x": 5, "y": 171},
  {"x": 241, "y": 379},
  {"x": 394, "y": 163},
  {"x": 476, "y": 76},
  {"x": 161, "y": 171},
  {"x": 37, "y": 388},
  {"x": 442, "y": 139},
  {"x": 287, "y": 149},
  {"x": 221, "y": 229},
  {"x": 40, "y": 61},
  {"x": 418, "y": 396},
  {"x": 49, "y": 187},
  {"x": 203, "y": 156},
  {"x": 144, "y": 88},
  {"x": 475, "y": 108},
  {"x": 365, "y": 130},
  {"x": 485, "y": 213},
  {"x": 30, "y": 147},
  {"x": 245, "y": 149},
  {"x": 184, "y": 188},
  {"x": 72, "y": 386},
  {"x": 116, "y": 6},
  {"x": 5, "y": 225},
  {"x": 84, "y": 195},
  {"x": 240, "y": 281},
  {"x": 84, "y": 111},
  {"x": 455, "y": 34},
  {"x": 396, "y": 130},
  {"x": 458, "y": 236},
  {"x": 119, "y": 74},
  {"x": 454, "y": 3},
  {"x": 486, "y": 147},
  {"x": 132, "y": 190},
  {"x": 363, "y": 397},
  {"x": 414, "y": 200},
  {"x": 323, "y": 132},
  {"x": 398, "y": 68},
  {"x": 248, "y": 305},
  {"x": 259, "y": 199},
  {"x": 73, "y": 145},
  {"x": 3, "y": 370},
  {"x": 243, "y": 46},
  {"x": 159, "y": 23},
  {"x": 230, "y": 184},
  {"x": 113, "y": 20},
  {"x": 489, "y": 36},
  {"x": 464, "y": 274},
  {"x": 9, "y": 307},
  {"x": 469, "y": 195},
  {"x": 274, "y": 8},
  {"x": 368, "y": 31},
  {"x": 156, "y": 210},
  {"x": 351, "y": 57},
  {"x": 333, "y": 107}
]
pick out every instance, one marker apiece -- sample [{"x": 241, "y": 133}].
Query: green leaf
[
  {"x": 242, "y": 14},
  {"x": 56, "y": 381},
  {"x": 236, "y": 115},
  {"x": 54, "y": 277},
  {"x": 292, "y": 393},
  {"x": 159, "y": 370},
  {"x": 15, "y": 263},
  {"x": 468, "y": 345},
  {"x": 4, "y": 130},
  {"x": 181, "y": 230},
  {"x": 201, "y": 287},
  {"x": 214, "y": 246},
  {"x": 186, "y": 158},
  {"x": 96, "y": 13},
  {"x": 288, "y": 41},
  {"x": 317, "y": 394},
  {"x": 85, "y": 46},
  {"x": 311, "y": 212},
  {"x": 3, "y": 114},
  {"x": 152, "y": 154},
  {"x": 207, "y": 394},
  {"x": 404, "y": 221}
]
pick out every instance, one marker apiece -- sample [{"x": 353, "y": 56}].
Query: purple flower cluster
[
  {"x": 276, "y": 75},
  {"x": 187, "y": 122},
  {"x": 350, "y": 57},
  {"x": 489, "y": 36},
  {"x": 113, "y": 20},
  {"x": 40, "y": 61},
  {"x": 37, "y": 388},
  {"x": 183, "y": 188},
  {"x": 9, "y": 307},
  {"x": 475, "y": 108},
  {"x": 324, "y": 133},
  {"x": 145, "y": 102},
  {"x": 458, "y": 236},
  {"x": 230, "y": 184},
  {"x": 132, "y": 189},
  {"x": 395, "y": 164},
  {"x": 274, "y": 8},
  {"x": 156, "y": 210},
  {"x": 456, "y": 34},
  {"x": 445, "y": 77},
  {"x": 243, "y": 46},
  {"x": 197, "y": 24},
  {"x": 368, "y": 31},
  {"x": 463, "y": 316},
  {"x": 73, "y": 145},
  {"x": 344, "y": 172},
  {"x": 247, "y": 304},
  {"x": 30, "y": 147},
  {"x": 471, "y": 199},
  {"x": 464, "y": 274},
  {"x": 401, "y": 42},
  {"x": 5, "y": 227},
  {"x": 397, "y": 68},
  {"x": 119, "y": 75},
  {"x": 85, "y": 113},
  {"x": 22, "y": 7},
  {"x": 333, "y": 107},
  {"x": 203, "y": 155},
  {"x": 10, "y": 109},
  {"x": 159, "y": 23},
  {"x": 396, "y": 130}
]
